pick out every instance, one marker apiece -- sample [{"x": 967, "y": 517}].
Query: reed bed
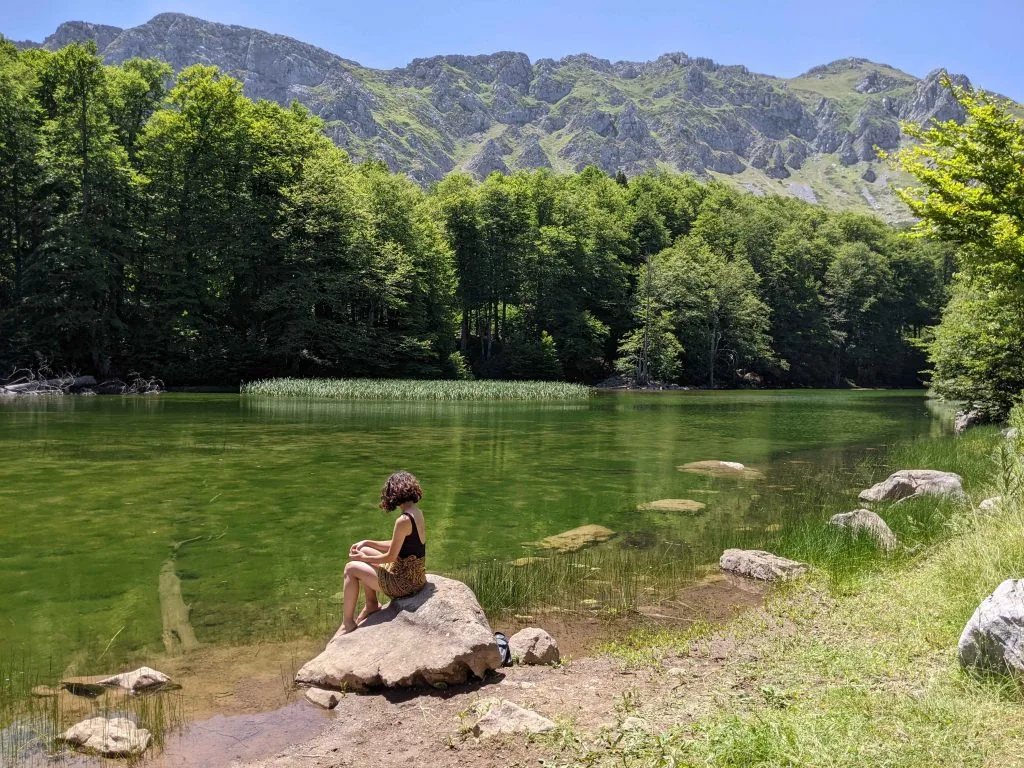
[{"x": 416, "y": 389}]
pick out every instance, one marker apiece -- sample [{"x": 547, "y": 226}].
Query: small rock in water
[
  {"x": 138, "y": 680},
  {"x": 672, "y": 505},
  {"x": 113, "y": 737},
  {"x": 519, "y": 562},
  {"x": 577, "y": 538},
  {"x": 534, "y": 646},
  {"x": 763, "y": 566},
  {"x": 722, "y": 469},
  {"x": 503, "y": 716},
  {"x": 993, "y": 639},
  {"x": 323, "y": 697},
  {"x": 866, "y": 520}
]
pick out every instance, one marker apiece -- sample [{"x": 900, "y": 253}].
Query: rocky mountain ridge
[{"x": 813, "y": 136}]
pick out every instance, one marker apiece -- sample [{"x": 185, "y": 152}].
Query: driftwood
[{"x": 42, "y": 382}]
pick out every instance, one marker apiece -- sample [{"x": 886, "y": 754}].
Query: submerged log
[{"x": 178, "y": 634}]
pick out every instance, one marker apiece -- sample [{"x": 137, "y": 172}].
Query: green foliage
[
  {"x": 970, "y": 196},
  {"x": 180, "y": 229}
]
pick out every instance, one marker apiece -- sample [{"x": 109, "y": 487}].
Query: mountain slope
[{"x": 813, "y": 136}]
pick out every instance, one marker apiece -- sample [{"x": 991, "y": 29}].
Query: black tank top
[{"x": 413, "y": 546}]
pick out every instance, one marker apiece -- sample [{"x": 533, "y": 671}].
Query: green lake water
[{"x": 94, "y": 493}]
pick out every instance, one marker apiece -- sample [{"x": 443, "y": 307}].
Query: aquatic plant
[{"x": 414, "y": 389}]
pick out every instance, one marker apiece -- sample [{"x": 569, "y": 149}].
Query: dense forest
[{"x": 170, "y": 226}]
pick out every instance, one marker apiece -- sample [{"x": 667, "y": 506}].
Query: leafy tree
[
  {"x": 970, "y": 194},
  {"x": 720, "y": 320}
]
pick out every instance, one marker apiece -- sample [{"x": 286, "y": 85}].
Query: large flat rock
[{"x": 437, "y": 636}]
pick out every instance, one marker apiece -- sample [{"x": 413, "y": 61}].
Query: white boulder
[
  {"x": 533, "y": 646},
  {"x": 993, "y": 640}
]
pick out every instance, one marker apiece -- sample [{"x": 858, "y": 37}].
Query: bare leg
[
  {"x": 372, "y": 605},
  {"x": 356, "y": 574}
]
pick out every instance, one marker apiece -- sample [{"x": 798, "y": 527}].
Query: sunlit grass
[
  {"x": 414, "y": 389},
  {"x": 867, "y": 675}
]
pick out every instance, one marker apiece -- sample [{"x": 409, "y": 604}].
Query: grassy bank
[
  {"x": 415, "y": 389},
  {"x": 862, "y": 675}
]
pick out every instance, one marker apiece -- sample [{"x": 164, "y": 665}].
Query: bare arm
[
  {"x": 380, "y": 546},
  {"x": 402, "y": 529}
]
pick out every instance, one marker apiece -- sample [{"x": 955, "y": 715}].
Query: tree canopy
[{"x": 170, "y": 225}]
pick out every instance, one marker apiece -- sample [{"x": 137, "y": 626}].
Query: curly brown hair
[{"x": 400, "y": 488}]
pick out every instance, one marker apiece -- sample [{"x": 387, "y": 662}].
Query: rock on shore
[
  {"x": 439, "y": 636},
  {"x": 866, "y": 520},
  {"x": 915, "y": 482},
  {"x": 993, "y": 639},
  {"x": 763, "y": 566},
  {"x": 534, "y": 646}
]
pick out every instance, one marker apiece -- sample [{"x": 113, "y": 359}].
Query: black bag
[{"x": 503, "y": 649}]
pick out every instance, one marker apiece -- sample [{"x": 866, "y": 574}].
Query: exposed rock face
[
  {"x": 504, "y": 716},
  {"x": 763, "y": 566},
  {"x": 80, "y": 32},
  {"x": 915, "y": 482},
  {"x": 138, "y": 680},
  {"x": 534, "y": 646},
  {"x": 703, "y": 117},
  {"x": 113, "y": 737},
  {"x": 866, "y": 520},
  {"x": 993, "y": 639},
  {"x": 488, "y": 160},
  {"x": 532, "y": 155},
  {"x": 439, "y": 636}
]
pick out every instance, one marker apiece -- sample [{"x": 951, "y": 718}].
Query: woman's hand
[{"x": 354, "y": 549}]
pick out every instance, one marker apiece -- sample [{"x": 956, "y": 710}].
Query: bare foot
[
  {"x": 366, "y": 613},
  {"x": 344, "y": 630}
]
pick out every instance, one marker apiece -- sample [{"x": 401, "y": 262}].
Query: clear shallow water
[{"x": 95, "y": 492}]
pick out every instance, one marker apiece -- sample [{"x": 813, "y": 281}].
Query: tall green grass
[
  {"x": 415, "y": 389},
  {"x": 867, "y": 677},
  {"x": 606, "y": 579}
]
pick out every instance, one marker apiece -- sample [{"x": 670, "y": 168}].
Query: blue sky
[{"x": 980, "y": 38}]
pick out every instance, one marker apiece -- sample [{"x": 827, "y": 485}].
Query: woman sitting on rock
[{"x": 396, "y": 567}]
